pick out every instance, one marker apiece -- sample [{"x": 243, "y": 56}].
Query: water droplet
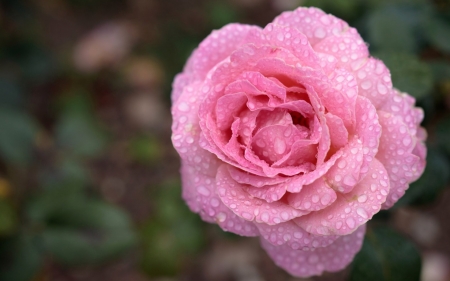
[
  {"x": 265, "y": 217},
  {"x": 203, "y": 190},
  {"x": 221, "y": 217},
  {"x": 350, "y": 222},
  {"x": 362, "y": 213},
  {"x": 325, "y": 199},
  {"x": 366, "y": 85},
  {"x": 183, "y": 107},
  {"x": 247, "y": 216},
  {"x": 315, "y": 198},
  {"x": 279, "y": 146},
  {"x": 362, "y": 198},
  {"x": 215, "y": 202},
  {"x": 342, "y": 164}
]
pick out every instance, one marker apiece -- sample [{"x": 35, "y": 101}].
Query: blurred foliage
[
  {"x": 62, "y": 136},
  {"x": 172, "y": 236},
  {"x": 386, "y": 256}
]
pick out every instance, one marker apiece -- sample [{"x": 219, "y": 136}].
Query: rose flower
[{"x": 295, "y": 134}]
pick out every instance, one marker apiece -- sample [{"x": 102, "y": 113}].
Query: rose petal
[
  {"x": 215, "y": 48},
  {"x": 313, "y": 197},
  {"x": 347, "y": 47},
  {"x": 314, "y": 23},
  {"x": 291, "y": 234},
  {"x": 308, "y": 263},
  {"x": 395, "y": 152},
  {"x": 251, "y": 179},
  {"x": 228, "y": 107},
  {"x": 402, "y": 105},
  {"x": 368, "y": 130},
  {"x": 338, "y": 132},
  {"x": 186, "y": 132},
  {"x": 248, "y": 207},
  {"x": 268, "y": 193},
  {"x": 374, "y": 81},
  {"x": 352, "y": 209},
  {"x": 199, "y": 194},
  {"x": 295, "y": 184},
  {"x": 346, "y": 173}
]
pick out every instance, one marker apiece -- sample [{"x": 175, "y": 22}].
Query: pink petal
[
  {"x": 186, "y": 132},
  {"x": 338, "y": 132},
  {"x": 314, "y": 23},
  {"x": 254, "y": 83},
  {"x": 332, "y": 258},
  {"x": 228, "y": 107},
  {"x": 268, "y": 193},
  {"x": 295, "y": 184},
  {"x": 402, "y": 105},
  {"x": 368, "y": 130},
  {"x": 249, "y": 208},
  {"x": 288, "y": 38},
  {"x": 346, "y": 173},
  {"x": 251, "y": 179},
  {"x": 374, "y": 81},
  {"x": 291, "y": 234},
  {"x": 271, "y": 143},
  {"x": 215, "y": 48},
  {"x": 352, "y": 209},
  {"x": 348, "y": 48},
  {"x": 313, "y": 197},
  {"x": 395, "y": 152},
  {"x": 181, "y": 80},
  {"x": 199, "y": 194}
]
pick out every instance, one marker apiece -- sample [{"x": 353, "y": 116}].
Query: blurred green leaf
[
  {"x": 145, "y": 149},
  {"x": 221, "y": 13},
  {"x": 340, "y": 8},
  {"x": 17, "y": 137},
  {"x": 409, "y": 74},
  {"x": 392, "y": 29},
  {"x": 67, "y": 171},
  {"x": 8, "y": 218},
  {"x": 386, "y": 256},
  {"x": 94, "y": 233},
  {"x": 20, "y": 258},
  {"x": 443, "y": 133},
  {"x": 10, "y": 92},
  {"x": 437, "y": 32},
  {"x": 79, "y": 135},
  {"x": 172, "y": 235},
  {"x": 440, "y": 69},
  {"x": 37, "y": 65},
  {"x": 434, "y": 179}
]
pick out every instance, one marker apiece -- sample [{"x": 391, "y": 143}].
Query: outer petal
[
  {"x": 395, "y": 152},
  {"x": 215, "y": 48},
  {"x": 313, "y": 197},
  {"x": 314, "y": 23},
  {"x": 352, "y": 209},
  {"x": 348, "y": 48},
  {"x": 186, "y": 132},
  {"x": 374, "y": 81},
  {"x": 346, "y": 174},
  {"x": 291, "y": 234},
  {"x": 199, "y": 194},
  {"x": 249, "y": 208},
  {"x": 314, "y": 262}
]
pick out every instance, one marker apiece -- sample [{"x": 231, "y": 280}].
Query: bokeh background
[{"x": 89, "y": 182}]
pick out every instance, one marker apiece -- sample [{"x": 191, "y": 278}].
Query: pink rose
[{"x": 295, "y": 134}]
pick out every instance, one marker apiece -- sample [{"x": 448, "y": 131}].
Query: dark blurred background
[{"x": 89, "y": 182}]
